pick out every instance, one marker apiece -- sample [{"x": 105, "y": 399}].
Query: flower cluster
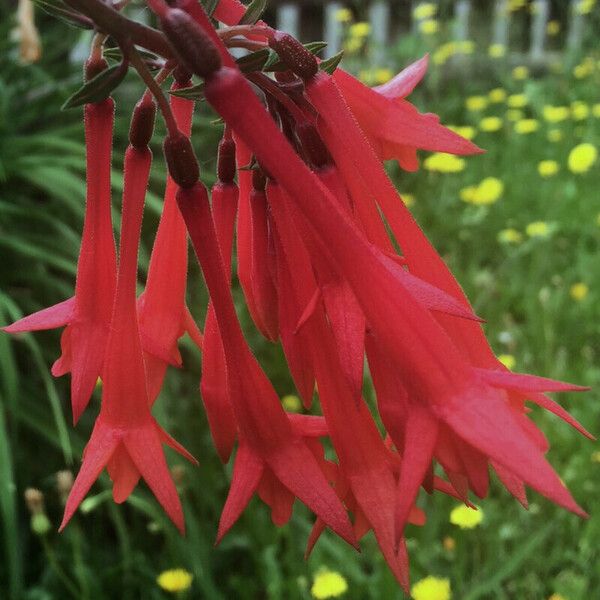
[{"x": 332, "y": 266}]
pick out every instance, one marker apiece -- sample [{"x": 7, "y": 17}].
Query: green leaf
[
  {"x": 331, "y": 64},
  {"x": 275, "y": 64},
  {"x": 194, "y": 92},
  {"x": 254, "y": 61},
  {"x": 98, "y": 88},
  {"x": 210, "y": 6},
  {"x": 315, "y": 47},
  {"x": 60, "y": 11},
  {"x": 115, "y": 54},
  {"x": 253, "y": 12}
]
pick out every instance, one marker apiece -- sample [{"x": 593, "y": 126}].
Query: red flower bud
[
  {"x": 142, "y": 123},
  {"x": 94, "y": 66},
  {"x": 181, "y": 160},
  {"x": 226, "y": 161},
  {"x": 294, "y": 55},
  {"x": 312, "y": 145},
  {"x": 194, "y": 48}
]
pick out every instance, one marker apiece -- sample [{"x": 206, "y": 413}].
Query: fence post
[
  {"x": 333, "y": 29},
  {"x": 538, "y": 29},
  {"x": 501, "y": 24},
  {"x": 576, "y": 21},
  {"x": 379, "y": 18},
  {"x": 288, "y": 18},
  {"x": 462, "y": 13}
]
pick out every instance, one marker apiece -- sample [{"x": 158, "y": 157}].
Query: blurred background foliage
[{"x": 525, "y": 246}]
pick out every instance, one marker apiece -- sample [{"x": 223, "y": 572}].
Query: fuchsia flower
[{"x": 320, "y": 274}]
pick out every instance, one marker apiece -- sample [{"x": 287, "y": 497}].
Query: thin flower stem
[
  {"x": 238, "y": 42},
  {"x": 269, "y": 86},
  {"x": 154, "y": 87},
  {"x": 55, "y": 565},
  {"x": 245, "y": 30}
]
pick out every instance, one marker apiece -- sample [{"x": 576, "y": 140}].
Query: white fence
[{"x": 382, "y": 15}]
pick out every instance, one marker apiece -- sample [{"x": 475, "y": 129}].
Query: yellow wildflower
[
  {"x": 175, "y": 580},
  {"x": 548, "y": 168},
  {"x": 343, "y": 15},
  {"x": 525, "y": 126},
  {"x": 557, "y": 597},
  {"x": 490, "y": 124},
  {"x": 537, "y": 229},
  {"x": 465, "y": 131},
  {"x": 328, "y": 584},
  {"x": 596, "y": 110},
  {"x": 427, "y": 10},
  {"x": 382, "y": 75},
  {"x": 497, "y": 95},
  {"x": 584, "y": 7},
  {"x": 578, "y": 291},
  {"x": 555, "y": 114},
  {"x": 582, "y": 157},
  {"x": 514, "y": 114},
  {"x": 583, "y": 70},
  {"x": 476, "y": 103},
  {"x": 465, "y": 46},
  {"x": 508, "y": 360},
  {"x": 444, "y": 163},
  {"x": 449, "y": 543},
  {"x": 291, "y": 403},
  {"x": 510, "y": 236},
  {"x": 408, "y": 199},
  {"x": 487, "y": 192},
  {"x": 514, "y": 5},
  {"x": 517, "y": 101},
  {"x": 467, "y": 194},
  {"x": 580, "y": 110},
  {"x": 497, "y": 50},
  {"x": 553, "y": 27},
  {"x": 520, "y": 73},
  {"x": 429, "y": 27},
  {"x": 596, "y": 456},
  {"x": 360, "y": 30},
  {"x": 431, "y": 588},
  {"x": 353, "y": 44},
  {"x": 466, "y": 517},
  {"x": 555, "y": 135}
]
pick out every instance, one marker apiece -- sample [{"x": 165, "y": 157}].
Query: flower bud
[
  {"x": 142, "y": 123},
  {"x": 34, "y": 499},
  {"x": 226, "y": 161},
  {"x": 94, "y": 66},
  {"x": 40, "y": 524},
  {"x": 181, "y": 160},
  {"x": 294, "y": 55},
  {"x": 64, "y": 483},
  {"x": 193, "y": 47},
  {"x": 312, "y": 145}
]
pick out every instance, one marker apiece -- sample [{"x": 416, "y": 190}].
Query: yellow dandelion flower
[
  {"x": 596, "y": 111},
  {"x": 465, "y": 47},
  {"x": 557, "y": 597},
  {"x": 583, "y": 70},
  {"x": 175, "y": 580},
  {"x": 408, "y": 199},
  {"x": 353, "y": 44},
  {"x": 548, "y": 168},
  {"x": 497, "y": 95},
  {"x": 582, "y": 157},
  {"x": 467, "y": 194},
  {"x": 555, "y": 114},
  {"x": 361, "y": 29},
  {"x": 476, "y": 103},
  {"x": 429, "y": 27},
  {"x": 596, "y": 456},
  {"x": 431, "y": 588},
  {"x": 517, "y": 101},
  {"x": 466, "y": 131},
  {"x": 578, "y": 291},
  {"x": 555, "y": 135},
  {"x": 553, "y": 28},
  {"x": 508, "y": 360},
  {"x": 497, "y": 50},
  {"x": 426, "y": 10},
  {"x": 382, "y": 75},
  {"x": 449, "y": 543},
  {"x": 444, "y": 163},
  {"x": 291, "y": 403},
  {"x": 328, "y": 584},
  {"x": 343, "y": 15},
  {"x": 489, "y": 191},
  {"x": 465, "y": 517},
  {"x": 514, "y": 5},
  {"x": 580, "y": 110},
  {"x": 510, "y": 236},
  {"x": 514, "y": 114},
  {"x": 526, "y": 126},
  {"x": 537, "y": 229},
  {"x": 584, "y": 7},
  {"x": 521, "y": 72},
  {"x": 490, "y": 124}
]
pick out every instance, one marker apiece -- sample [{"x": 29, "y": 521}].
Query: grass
[{"x": 522, "y": 289}]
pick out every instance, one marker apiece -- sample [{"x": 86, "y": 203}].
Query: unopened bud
[
  {"x": 226, "y": 161},
  {"x": 178, "y": 473},
  {"x": 312, "y": 145},
  {"x": 34, "y": 499},
  {"x": 94, "y": 66},
  {"x": 195, "y": 50},
  {"x": 40, "y": 524},
  {"x": 181, "y": 160},
  {"x": 259, "y": 181},
  {"x": 142, "y": 123},
  {"x": 64, "y": 483},
  {"x": 294, "y": 55}
]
